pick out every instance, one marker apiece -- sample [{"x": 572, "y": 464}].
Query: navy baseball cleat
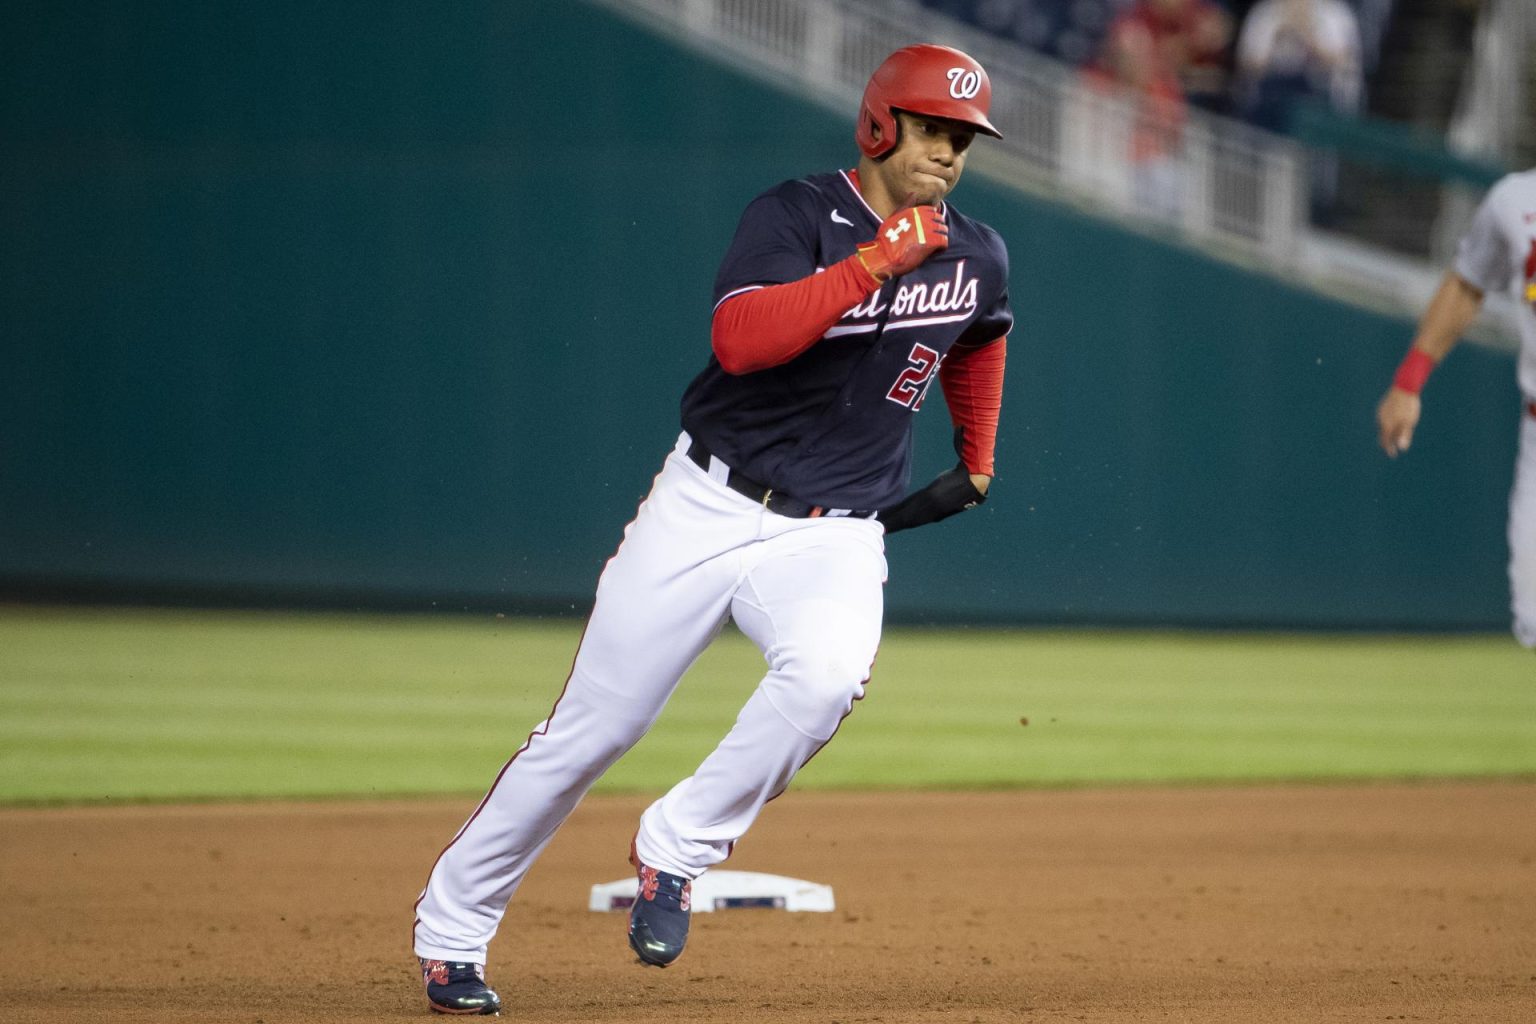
[
  {"x": 458, "y": 988},
  {"x": 658, "y": 920}
]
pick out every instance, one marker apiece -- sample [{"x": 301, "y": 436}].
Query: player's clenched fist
[
  {"x": 905, "y": 240},
  {"x": 1396, "y": 418}
]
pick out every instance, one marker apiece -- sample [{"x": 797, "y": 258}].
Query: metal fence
[{"x": 1213, "y": 182}]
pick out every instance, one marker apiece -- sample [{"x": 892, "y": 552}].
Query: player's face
[{"x": 927, "y": 161}]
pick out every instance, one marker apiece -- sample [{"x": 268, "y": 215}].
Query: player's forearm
[
  {"x": 770, "y": 326},
  {"x": 1447, "y": 317},
  {"x": 1449, "y": 314},
  {"x": 972, "y": 380}
]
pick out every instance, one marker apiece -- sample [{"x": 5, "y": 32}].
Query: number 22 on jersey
[{"x": 912, "y": 383}]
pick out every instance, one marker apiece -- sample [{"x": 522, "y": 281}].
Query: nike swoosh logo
[{"x": 838, "y": 218}]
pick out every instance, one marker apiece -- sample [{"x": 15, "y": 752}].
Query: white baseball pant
[
  {"x": 1522, "y": 535},
  {"x": 807, "y": 592}
]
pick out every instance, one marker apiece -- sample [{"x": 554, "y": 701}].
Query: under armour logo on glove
[{"x": 906, "y": 238}]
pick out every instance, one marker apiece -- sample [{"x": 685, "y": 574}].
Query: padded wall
[{"x": 392, "y": 303}]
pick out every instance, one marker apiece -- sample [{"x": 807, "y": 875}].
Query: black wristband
[{"x": 950, "y": 492}]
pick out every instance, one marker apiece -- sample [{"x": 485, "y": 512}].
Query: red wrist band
[{"x": 1413, "y": 371}]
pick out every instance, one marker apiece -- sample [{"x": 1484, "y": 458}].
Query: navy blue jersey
[{"x": 833, "y": 426}]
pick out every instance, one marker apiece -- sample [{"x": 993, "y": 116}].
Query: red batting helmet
[{"x": 934, "y": 80}]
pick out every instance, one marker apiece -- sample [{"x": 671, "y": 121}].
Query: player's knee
[
  {"x": 815, "y": 685},
  {"x": 601, "y": 730}
]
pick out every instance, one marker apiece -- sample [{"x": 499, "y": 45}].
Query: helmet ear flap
[
  {"x": 890, "y": 134},
  {"x": 875, "y": 118}
]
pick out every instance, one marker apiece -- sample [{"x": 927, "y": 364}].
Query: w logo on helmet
[{"x": 964, "y": 83}]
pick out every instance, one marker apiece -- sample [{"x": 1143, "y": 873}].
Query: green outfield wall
[{"x": 392, "y": 303}]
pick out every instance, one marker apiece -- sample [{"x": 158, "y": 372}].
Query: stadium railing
[{"x": 1209, "y": 181}]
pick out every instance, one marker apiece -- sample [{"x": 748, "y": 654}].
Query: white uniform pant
[
  {"x": 807, "y": 592},
  {"x": 1522, "y": 536}
]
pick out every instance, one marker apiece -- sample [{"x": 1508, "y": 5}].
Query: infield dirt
[{"x": 1232, "y": 905}]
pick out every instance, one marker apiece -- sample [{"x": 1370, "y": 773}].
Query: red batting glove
[{"x": 904, "y": 241}]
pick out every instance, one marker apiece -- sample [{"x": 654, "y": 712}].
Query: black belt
[
  {"x": 774, "y": 501},
  {"x": 1530, "y": 408}
]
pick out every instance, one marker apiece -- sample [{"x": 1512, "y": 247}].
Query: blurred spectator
[
  {"x": 1172, "y": 45},
  {"x": 1162, "y": 55},
  {"x": 1291, "y": 50}
]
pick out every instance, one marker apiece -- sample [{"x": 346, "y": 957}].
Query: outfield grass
[{"x": 104, "y": 704}]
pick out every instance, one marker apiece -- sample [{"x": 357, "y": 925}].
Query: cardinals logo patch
[{"x": 1530, "y": 274}]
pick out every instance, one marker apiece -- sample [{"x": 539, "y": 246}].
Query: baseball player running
[
  {"x": 840, "y": 300},
  {"x": 1497, "y": 252}
]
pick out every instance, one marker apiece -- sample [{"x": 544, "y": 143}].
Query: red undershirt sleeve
[
  {"x": 771, "y": 325},
  {"x": 972, "y": 379}
]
